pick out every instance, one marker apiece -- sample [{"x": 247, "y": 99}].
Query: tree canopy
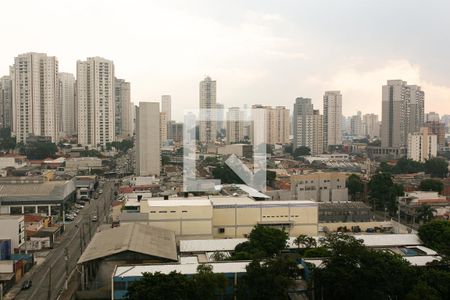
[
  {"x": 302, "y": 151},
  {"x": 436, "y": 167},
  {"x": 355, "y": 186},
  {"x": 203, "y": 285},
  {"x": 383, "y": 191},
  {"x": 431, "y": 185},
  {"x": 268, "y": 280},
  {"x": 40, "y": 150},
  {"x": 262, "y": 242},
  {"x": 436, "y": 235}
]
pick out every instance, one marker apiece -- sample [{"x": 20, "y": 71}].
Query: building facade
[
  {"x": 303, "y": 107},
  {"x": 332, "y": 118},
  {"x": 208, "y": 113},
  {"x": 402, "y": 112},
  {"x": 320, "y": 187},
  {"x": 35, "y": 96},
  {"x": 95, "y": 101},
  {"x": 356, "y": 125},
  {"x": 148, "y": 149},
  {"x": 235, "y": 125},
  {"x": 163, "y": 124},
  {"x": 6, "y": 102},
  {"x": 312, "y": 127},
  {"x": 371, "y": 125},
  {"x": 438, "y": 129},
  {"x": 166, "y": 106},
  {"x": 68, "y": 105},
  {"x": 422, "y": 145},
  {"x": 123, "y": 113}
]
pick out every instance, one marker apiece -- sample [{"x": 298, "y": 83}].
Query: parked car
[
  {"x": 94, "y": 218},
  {"x": 26, "y": 284},
  {"x": 79, "y": 206},
  {"x": 100, "y": 191}
]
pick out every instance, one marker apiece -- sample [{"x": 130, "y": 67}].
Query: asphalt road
[{"x": 50, "y": 277}]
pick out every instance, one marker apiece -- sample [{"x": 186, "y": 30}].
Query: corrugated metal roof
[{"x": 138, "y": 238}]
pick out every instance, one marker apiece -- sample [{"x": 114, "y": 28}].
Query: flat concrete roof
[{"x": 187, "y": 268}]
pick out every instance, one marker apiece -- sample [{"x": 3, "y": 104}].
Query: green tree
[
  {"x": 269, "y": 280},
  {"x": 425, "y": 213},
  {"x": 7, "y": 142},
  {"x": 353, "y": 271},
  {"x": 263, "y": 241},
  {"x": 161, "y": 287},
  {"x": 431, "y": 185},
  {"x": 355, "y": 186},
  {"x": 165, "y": 160},
  {"x": 40, "y": 150},
  {"x": 436, "y": 235},
  {"x": 208, "y": 285},
  {"x": 407, "y": 166},
  {"x": 271, "y": 176},
  {"x": 226, "y": 175},
  {"x": 288, "y": 149},
  {"x": 383, "y": 192},
  {"x": 436, "y": 167},
  {"x": 203, "y": 285},
  {"x": 304, "y": 241},
  {"x": 302, "y": 151}
]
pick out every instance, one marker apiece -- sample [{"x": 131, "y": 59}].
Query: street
[{"x": 52, "y": 276}]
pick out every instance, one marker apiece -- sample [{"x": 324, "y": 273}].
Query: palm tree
[
  {"x": 425, "y": 213},
  {"x": 304, "y": 241}
]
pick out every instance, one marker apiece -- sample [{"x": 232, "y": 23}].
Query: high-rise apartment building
[
  {"x": 356, "y": 125},
  {"x": 422, "y": 145},
  {"x": 176, "y": 132},
  {"x": 166, "y": 106},
  {"x": 68, "y": 123},
  {"x": 123, "y": 114},
  {"x": 221, "y": 122},
  {"x": 235, "y": 125},
  {"x": 95, "y": 101},
  {"x": 208, "y": 113},
  {"x": 163, "y": 125},
  {"x": 303, "y": 107},
  {"x": 5, "y": 102},
  {"x": 402, "y": 112},
  {"x": 432, "y": 117},
  {"x": 371, "y": 125},
  {"x": 313, "y": 128},
  {"x": 446, "y": 120},
  {"x": 148, "y": 150},
  {"x": 438, "y": 129},
  {"x": 279, "y": 125},
  {"x": 35, "y": 96},
  {"x": 332, "y": 118}
]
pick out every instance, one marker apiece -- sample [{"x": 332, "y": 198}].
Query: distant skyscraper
[
  {"x": 313, "y": 128},
  {"x": 356, "y": 125},
  {"x": 163, "y": 125},
  {"x": 68, "y": 105},
  {"x": 279, "y": 125},
  {"x": 371, "y": 125},
  {"x": 95, "y": 100},
  {"x": 148, "y": 149},
  {"x": 438, "y": 129},
  {"x": 332, "y": 114},
  {"x": 221, "y": 123},
  {"x": 36, "y": 100},
  {"x": 432, "y": 117},
  {"x": 5, "y": 102},
  {"x": 302, "y": 108},
  {"x": 166, "y": 106},
  {"x": 402, "y": 112},
  {"x": 208, "y": 122},
  {"x": 123, "y": 114},
  {"x": 446, "y": 120},
  {"x": 235, "y": 125}
]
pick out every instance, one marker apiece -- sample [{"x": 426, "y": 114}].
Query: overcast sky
[{"x": 266, "y": 52}]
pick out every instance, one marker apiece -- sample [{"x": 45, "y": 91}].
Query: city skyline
[{"x": 257, "y": 54}]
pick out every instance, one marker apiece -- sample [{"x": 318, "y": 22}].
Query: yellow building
[{"x": 225, "y": 217}]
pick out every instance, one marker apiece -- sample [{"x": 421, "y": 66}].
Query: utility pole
[
  {"x": 50, "y": 282},
  {"x": 81, "y": 238},
  {"x": 66, "y": 258}
]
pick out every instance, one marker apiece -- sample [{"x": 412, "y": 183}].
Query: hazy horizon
[{"x": 259, "y": 52}]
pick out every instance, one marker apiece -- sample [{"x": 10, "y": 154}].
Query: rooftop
[
  {"x": 49, "y": 190},
  {"x": 137, "y": 238}
]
